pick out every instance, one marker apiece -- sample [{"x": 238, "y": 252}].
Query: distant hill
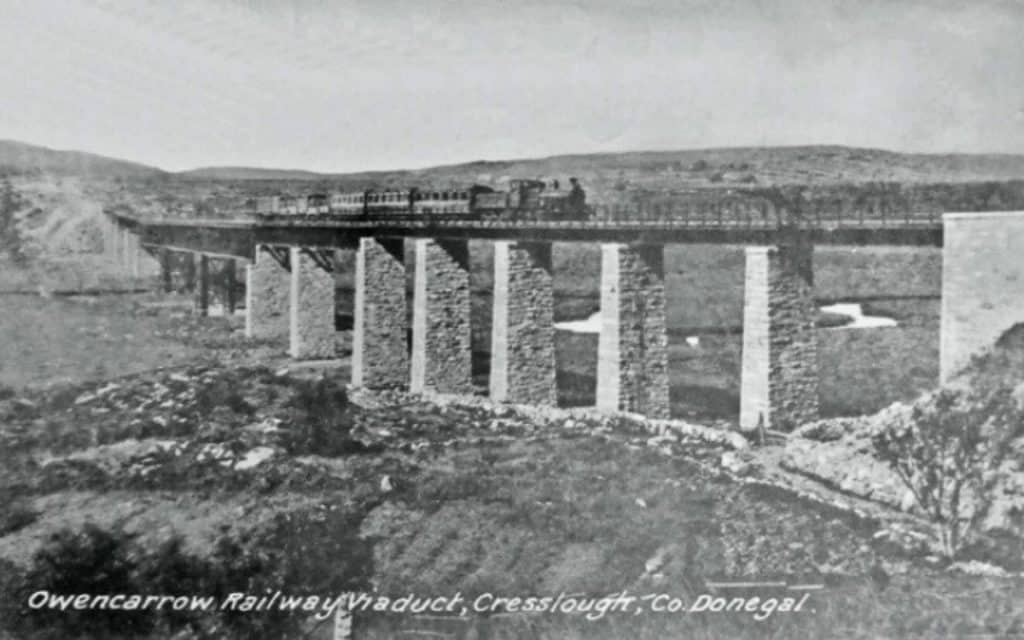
[
  {"x": 614, "y": 176},
  {"x": 249, "y": 173},
  {"x": 620, "y": 171},
  {"x": 18, "y": 157},
  {"x": 65, "y": 192}
]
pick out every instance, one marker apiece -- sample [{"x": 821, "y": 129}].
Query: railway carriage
[{"x": 526, "y": 199}]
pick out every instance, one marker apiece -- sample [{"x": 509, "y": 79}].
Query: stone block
[
  {"x": 441, "y": 354},
  {"x": 202, "y": 294},
  {"x": 632, "y": 365},
  {"x": 522, "y": 328},
  {"x": 380, "y": 352},
  {"x": 267, "y": 296},
  {"x": 166, "y": 272},
  {"x": 779, "y": 376},
  {"x": 982, "y": 273},
  {"x": 311, "y": 308}
]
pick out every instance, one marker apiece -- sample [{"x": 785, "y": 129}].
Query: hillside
[
  {"x": 659, "y": 170},
  {"x": 18, "y": 157},
  {"x": 249, "y": 173},
  {"x": 63, "y": 192},
  {"x": 656, "y": 170}
]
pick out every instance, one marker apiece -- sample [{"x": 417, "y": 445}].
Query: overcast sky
[{"x": 338, "y": 86}]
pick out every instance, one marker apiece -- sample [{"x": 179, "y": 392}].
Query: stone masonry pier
[
  {"x": 522, "y": 328},
  {"x": 290, "y": 292},
  {"x": 982, "y": 284},
  {"x": 632, "y": 365},
  {"x": 380, "y": 356},
  {"x": 267, "y": 296},
  {"x": 441, "y": 355},
  {"x": 779, "y": 377},
  {"x": 310, "y": 307}
]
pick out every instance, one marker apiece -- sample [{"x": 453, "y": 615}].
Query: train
[{"x": 523, "y": 199}]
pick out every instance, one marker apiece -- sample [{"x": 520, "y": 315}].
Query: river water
[{"x": 852, "y": 310}]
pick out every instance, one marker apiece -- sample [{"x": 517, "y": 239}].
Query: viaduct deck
[{"x": 239, "y": 236}]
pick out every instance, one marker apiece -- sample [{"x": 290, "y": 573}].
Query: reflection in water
[
  {"x": 591, "y": 325},
  {"x": 856, "y": 314},
  {"x": 853, "y": 310}
]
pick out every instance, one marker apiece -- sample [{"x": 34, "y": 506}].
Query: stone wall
[
  {"x": 779, "y": 377},
  {"x": 632, "y": 365},
  {"x": 441, "y": 356},
  {"x": 267, "y": 286},
  {"x": 982, "y": 283},
  {"x": 380, "y": 356},
  {"x": 522, "y": 328},
  {"x": 311, "y": 308}
]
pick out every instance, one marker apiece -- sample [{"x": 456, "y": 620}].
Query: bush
[
  {"x": 308, "y": 553},
  {"x": 222, "y": 392},
  {"x": 11, "y": 241},
  {"x": 949, "y": 454},
  {"x": 319, "y": 419},
  {"x": 15, "y": 514},
  {"x": 89, "y": 561}
]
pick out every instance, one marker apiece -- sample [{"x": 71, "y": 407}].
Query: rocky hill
[
  {"x": 813, "y": 164},
  {"x": 65, "y": 191},
  {"x": 18, "y": 157}
]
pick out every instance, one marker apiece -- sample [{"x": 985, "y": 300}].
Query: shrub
[
  {"x": 15, "y": 514},
  {"x": 948, "y": 455},
  {"x": 222, "y": 392},
  {"x": 11, "y": 241},
  {"x": 319, "y": 419},
  {"x": 307, "y": 553},
  {"x": 89, "y": 561}
]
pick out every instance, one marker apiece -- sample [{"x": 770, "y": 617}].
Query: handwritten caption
[{"x": 787, "y": 599}]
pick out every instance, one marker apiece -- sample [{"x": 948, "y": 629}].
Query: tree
[
  {"x": 948, "y": 455},
  {"x": 11, "y": 241}
]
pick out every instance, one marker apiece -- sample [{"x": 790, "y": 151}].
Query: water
[
  {"x": 853, "y": 310},
  {"x": 856, "y": 314}
]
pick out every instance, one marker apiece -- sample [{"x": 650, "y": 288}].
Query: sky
[{"x": 334, "y": 85}]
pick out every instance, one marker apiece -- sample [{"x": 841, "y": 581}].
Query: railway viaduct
[{"x": 290, "y": 296}]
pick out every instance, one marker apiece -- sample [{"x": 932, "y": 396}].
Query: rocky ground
[
  {"x": 454, "y": 493},
  {"x": 168, "y": 426}
]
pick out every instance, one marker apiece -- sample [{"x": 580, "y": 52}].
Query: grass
[
  {"x": 570, "y": 513},
  {"x": 578, "y": 514}
]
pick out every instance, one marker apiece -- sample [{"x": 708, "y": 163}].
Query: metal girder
[
  {"x": 324, "y": 258},
  {"x": 237, "y": 243},
  {"x": 280, "y": 254}
]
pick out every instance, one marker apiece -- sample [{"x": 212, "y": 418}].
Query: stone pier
[
  {"x": 311, "y": 308},
  {"x": 522, "y": 329},
  {"x": 441, "y": 357},
  {"x": 229, "y": 288},
  {"x": 118, "y": 240},
  {"x": 166, "y": 274},
  {"x": 779, "y": 377},
  {"x": 202, "y": 299},
  {"x": 632, "y": 365},
  {"x": 267, "y": 286},
  {"x": 982, "y": 277},
  {"x": 109, "y": 237},
  {"x": 134, "y": 255},
  {"x": 380, "y": 354}
]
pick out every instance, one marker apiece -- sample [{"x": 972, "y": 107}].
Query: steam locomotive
[{"x": 524, "y": 199}]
